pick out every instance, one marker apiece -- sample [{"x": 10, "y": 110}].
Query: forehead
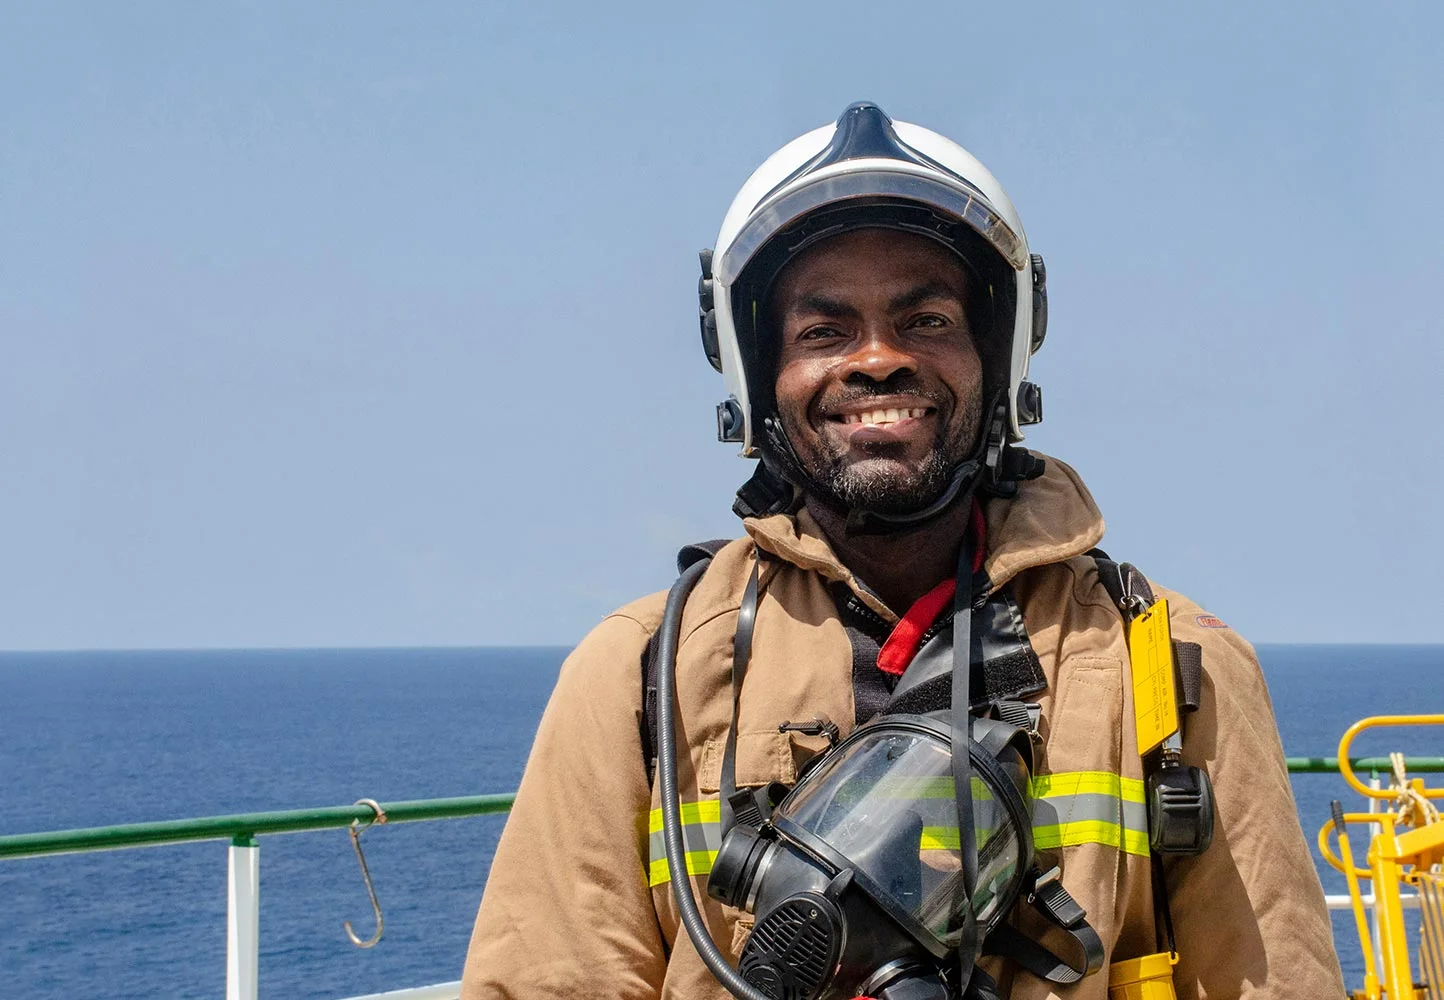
[{"x": 867, "y": 262}]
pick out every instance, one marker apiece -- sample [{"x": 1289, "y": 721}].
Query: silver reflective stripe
[
  {"x": 701, "y": 836},
  {"x": 698, "y": 839}
]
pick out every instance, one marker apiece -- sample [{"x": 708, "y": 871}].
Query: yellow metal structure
[
  {"x": 1146, "y": 978},
  {"x": 1407, "y": 850}
]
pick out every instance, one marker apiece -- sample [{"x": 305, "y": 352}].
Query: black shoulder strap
[
  {"x": 960, "y": 717},
  {"x": 732, "y": 808},
  {"x": 1125, "y": 585},
  {"x": 1130, "y": 590},
  {"x": 1050, "y": 899},
  {"x": 688, "y": 556}
]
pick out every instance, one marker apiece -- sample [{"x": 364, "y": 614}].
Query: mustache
[{"x": 900, "y": 385}]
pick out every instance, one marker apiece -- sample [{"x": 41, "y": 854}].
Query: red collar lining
[{"x": 902, "y": 644}]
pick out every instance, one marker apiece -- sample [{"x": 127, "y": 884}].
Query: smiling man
[{"x": 872, "y": 305}]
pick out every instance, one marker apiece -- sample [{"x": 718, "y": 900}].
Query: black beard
[
  {"x": 848, "y": 488},
  {"x": 840, "y": 484}
]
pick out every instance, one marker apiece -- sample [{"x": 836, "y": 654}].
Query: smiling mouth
[{"x": 883, "y": 417}]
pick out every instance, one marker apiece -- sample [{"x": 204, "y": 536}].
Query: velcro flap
[{"x": 1188, "y": 656}]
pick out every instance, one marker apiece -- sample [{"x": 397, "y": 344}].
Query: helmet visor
[
  {"x": 885, "y": 802},
  {"x": 953, "y": 199}
]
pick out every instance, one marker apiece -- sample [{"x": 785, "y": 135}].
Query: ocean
[{"x": 101, "y": 738}]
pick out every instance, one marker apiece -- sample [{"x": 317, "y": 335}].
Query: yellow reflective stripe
[
  {"x": 1086, "y": 831},
  {"x": 940, "y": 838},
  {"x": 698, "y": 863},
  {"x": 1054, "y": 789},
  {"x": 1091, "y": 831},
  {"x": 1088, "y": 783},
  {"x": 706, "y": 811},
  {"x": 1044, "y": 785}
]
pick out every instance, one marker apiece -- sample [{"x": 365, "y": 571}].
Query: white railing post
[
  {"x": 1374, "y": 830},
  {"x": 243, "y": 918}
]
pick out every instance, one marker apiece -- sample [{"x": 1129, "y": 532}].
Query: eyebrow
[
  {"x": 921, "y": 294},
  {"x": 816, "y": 302}
]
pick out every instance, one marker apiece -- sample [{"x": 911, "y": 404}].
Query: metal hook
[{"x": 355, "y": 830}]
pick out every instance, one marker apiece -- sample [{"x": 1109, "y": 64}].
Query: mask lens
[{"x": 885, "y": 802}]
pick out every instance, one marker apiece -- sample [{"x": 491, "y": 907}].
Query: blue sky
[{"x": 362, "y": 324}]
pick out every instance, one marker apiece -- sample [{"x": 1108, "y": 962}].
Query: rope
[{"x": 1410, "y": 804}]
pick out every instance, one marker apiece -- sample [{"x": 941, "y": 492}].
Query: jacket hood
[{"x": 1053, "y": 518}]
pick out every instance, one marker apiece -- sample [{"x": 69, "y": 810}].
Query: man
[{"x": 872, "y": 304}]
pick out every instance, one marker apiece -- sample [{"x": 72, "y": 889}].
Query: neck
[{"x": 902, "y": 566}]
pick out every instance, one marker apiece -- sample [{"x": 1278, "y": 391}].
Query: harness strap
[
  {"x": 1163, "y": 913},
  {"x": 688, "y": 556},
  {"x": 1010, "y": 943},
  {"x": 741, "y": 657},
  {"x": 962, "y": 726},
  {"x": 1122, "y": 580},
  {"x": 1054, "y": 902}
]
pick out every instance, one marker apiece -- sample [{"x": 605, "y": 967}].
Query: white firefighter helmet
[{"x": 868, "y": 170}]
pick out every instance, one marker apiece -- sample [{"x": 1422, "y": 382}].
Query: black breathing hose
[{"x": 667, "y": 638}]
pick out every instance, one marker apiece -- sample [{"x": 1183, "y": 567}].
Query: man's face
[{"x": 879, "y": 384}]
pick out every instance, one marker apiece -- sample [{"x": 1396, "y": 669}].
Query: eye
[
  {"x": 930, "y": 321},
  {"x": 819, "y": 333}
]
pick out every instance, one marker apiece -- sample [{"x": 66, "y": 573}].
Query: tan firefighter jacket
[{"x": 578, "y": 902}]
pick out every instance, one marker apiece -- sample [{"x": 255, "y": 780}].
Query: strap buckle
[
  {"x": 1051, "y": 875},
  {"x": 1055, "y": 902}
]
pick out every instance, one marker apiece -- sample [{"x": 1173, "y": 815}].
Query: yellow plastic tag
[{"x": 1155, "y": 703}]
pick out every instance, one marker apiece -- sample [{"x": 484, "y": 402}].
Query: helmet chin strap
[{"x": 960, "y": 487}]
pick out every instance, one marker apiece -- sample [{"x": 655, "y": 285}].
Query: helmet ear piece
[
  {"x": 1040, "y": 302},
  {"x": 707, "y": 313},
  {"x": 709, "y": 339}
]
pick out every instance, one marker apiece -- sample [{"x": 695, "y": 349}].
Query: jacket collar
[{"x": 1052, "y": 518}]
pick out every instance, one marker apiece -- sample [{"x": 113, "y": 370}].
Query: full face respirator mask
[{"x": 860, "y": 879}]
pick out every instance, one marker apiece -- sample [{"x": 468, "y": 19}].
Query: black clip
[
  {"x": 817, "y": 727},
  {"x": 1180, "y": 809}
]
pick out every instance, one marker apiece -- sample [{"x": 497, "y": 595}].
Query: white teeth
[{"x": 885, "y": 416}]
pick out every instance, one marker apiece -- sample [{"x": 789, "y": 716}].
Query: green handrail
[
  {"x": 242, "y": 829},
  {"x": 1330, "y": 765}
]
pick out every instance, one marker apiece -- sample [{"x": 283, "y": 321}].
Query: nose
[{"x": 878, "y": 357}]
